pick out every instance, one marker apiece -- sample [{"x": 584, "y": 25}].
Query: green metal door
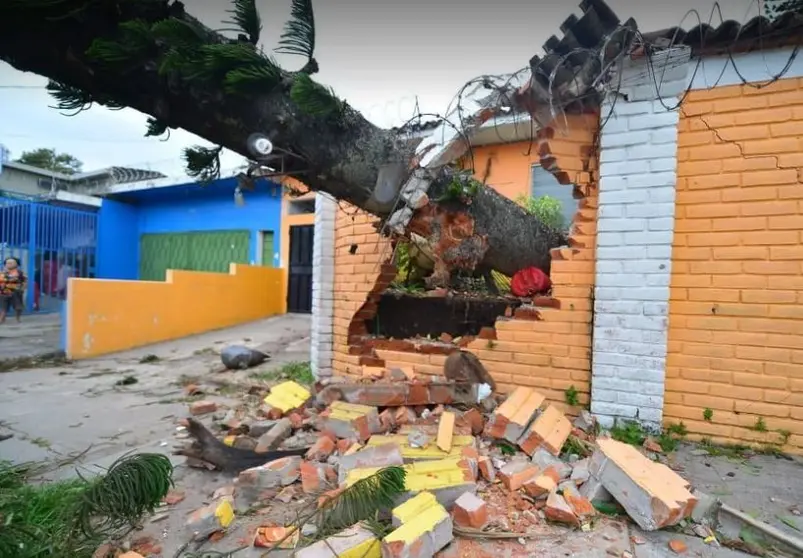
[
  {"x": 267, "y": 248},
  {"x": 195, "y": 251}
]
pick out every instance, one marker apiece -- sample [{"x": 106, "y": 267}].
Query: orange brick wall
[
  {"x": 551, "y": 353},
  {"x": 736, "y": 310}
]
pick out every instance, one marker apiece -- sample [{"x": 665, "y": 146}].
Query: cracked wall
[
  {"x": 544, "y": 345},
  {"x": 736, "y": 303}
]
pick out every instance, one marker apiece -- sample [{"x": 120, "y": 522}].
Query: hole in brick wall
[{"x": 404, "y": 315}]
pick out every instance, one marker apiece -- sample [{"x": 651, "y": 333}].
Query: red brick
[
  {"x": 470, "y": 511},
  {"x": 517, "y": 473},
  {"x": 550, "y": 429},
  {"x": 475, "y": 420},
  {"x": 540, "y": 486},
  {"x": 558, "y": 510},
  {"x": 316, "y": 477},
  {"x": 487, "y": 469},
  {"x": 321, "y": 449},
  {"x": 512, "y": 417},
  {"x": 202, "y": 408}
]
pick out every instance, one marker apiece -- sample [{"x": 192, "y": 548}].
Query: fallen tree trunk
[
  {"x": 225, "y": 100},
  {"x": 206, "y": 448}
]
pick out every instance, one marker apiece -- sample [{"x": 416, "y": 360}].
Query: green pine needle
[
  {"x": 132, "y": 44},
  {"x": 313, "y": 98},
  {"x": 299, "y": 32},
  {"x": 156, "y": 127},
  {"x": 254, "y": 78},
  {"x": 176, "y": 33},
  {"x": 203, "y": 163},
  {"x": 362, "y": 500},
  {"x": 68, "y": 98},
  {"x": 246, "y": 17}
]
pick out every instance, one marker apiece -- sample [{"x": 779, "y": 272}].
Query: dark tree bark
[
  {"x": 206, "y": 448},
  {"x": 340, "y": 156}
]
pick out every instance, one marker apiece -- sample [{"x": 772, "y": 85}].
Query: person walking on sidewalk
[{"x": 12, "y": 287}]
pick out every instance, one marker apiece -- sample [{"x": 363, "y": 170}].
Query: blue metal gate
[{"x": 51, "y": 242}]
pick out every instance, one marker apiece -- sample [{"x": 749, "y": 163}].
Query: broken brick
[
  {"x": 350, "y": 420},
  {"x": 405, "y": 415},
  {"x": 354, "y": 541},
  {"x": 580, "y": 472},
  {"x": 275, "y": 436},
  {"x": 173, "y": 497},
  {"x": 373, "y": 372},
  {"x": 286, "y": 494},
  {"x": 446, "y": 338},
  {"x": 268, "y": 536},
  {"x": 517, "y": 473},
  {"x": 252, "y": 484},
  {"x": 413, "y": 507},
  {"x": 543, "y": 459},
  {"x": 296, "y": 420},
  {"x": 131, "y": 554},
  {"x": 421, "y": 536},
  {"x": 321, "y": 449},
  {"x": 343, "y": 445},
  {"x": 549, "y": 430},
  {"x": 387, "y": 420},
  {"x": 286, "y": 397},
  {"x": 445, "y": 432},
  {"x": 580, "y": 505},
  {"x": 383, "y": 455},
  {"x": 211, "y": 518},
  {"x": 316, "y": 477},
  {"x": 652, "y": 494},
  {"x": 470, "y": 511},
  {"x": 202, "y": 408},
  {"x": 474, "y": 419},
  {"x": 512, "y": 417},
  {"x": 487, "y": 469},
  {"x": 558, "y": 510},
  {"x": 540, "y": 486}
]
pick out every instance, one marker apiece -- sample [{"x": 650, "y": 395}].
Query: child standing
[{"x": 12, "y": 287}]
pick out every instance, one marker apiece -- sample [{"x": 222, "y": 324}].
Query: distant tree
[
  {"x": 49, "y": 159},
  {"x": 774, "y": 8}
]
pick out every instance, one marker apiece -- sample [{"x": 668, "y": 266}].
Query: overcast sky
[{"x": 378, "y": 54}]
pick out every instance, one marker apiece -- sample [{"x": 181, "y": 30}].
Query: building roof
[
  {"x": 120, "y": 174},
  {"x": 733, "y": 36}
]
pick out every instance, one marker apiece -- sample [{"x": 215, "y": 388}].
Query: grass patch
[
  {"x": 708, "y": 414},
  {"x": 571, "y": 396},
  {"x": 631, "y": 432},
  {"x": 300, "y": 372}
]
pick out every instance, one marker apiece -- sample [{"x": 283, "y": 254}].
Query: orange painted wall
[
  {"x": 107, "y": 316},
  {"x": 551, "y": 354},
  {"x": 736, "y": 309}
]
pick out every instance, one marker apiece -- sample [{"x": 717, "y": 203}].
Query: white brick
[
  {"x": 661, "y": 224},
  {"x": 622, "y": 139},
  {"x": 321, "y": 339},
  {"x": 612, "y": 409},
  {"x": 652, "y": 180},
  {"x": 609, "y": 267},
  {"x": 664, "y": 195},
  {"x": 662, "y": 238},
  {"x": 663, "y": 164},
  {"x": 623, "y": 168},
  {"x": 625, "y": 108},
  {"x": 611, "y": 155},
  {"x": 622, "y": 196},
  {"x": 649, "y": 151},
  {"x": 611, "y": 239},
  {"x": 625, "y": 253},
  {"x": 621, "y": 225},
  {"x": 607, "y": 307},
  {"x": 652, "y": 121},
  {"x": 645, "y": 266}
]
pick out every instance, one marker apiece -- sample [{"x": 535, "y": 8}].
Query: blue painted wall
[
  {"x": 117, "y": 252},
  {"x": 184, "y": 208}
]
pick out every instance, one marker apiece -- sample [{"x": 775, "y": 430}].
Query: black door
[{"x": 299, "y": 291}]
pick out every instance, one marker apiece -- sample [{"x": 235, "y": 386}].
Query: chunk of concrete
[
  {"x": 355, "y": 541},
  {"x": 421, "y": 537},
  {"x": 351, "y": 420},
  {"x": 209, "y": 519},
  {"x": 413, "y": 507},
  {"x": 271, "y": 439},
  {"x": 380, "y": 456},
  {"x": 253, "y": 484},
  {"x": 652, "y": 494},
  {"x": 543, "y": 459},
  {"x": 317, "y": 477}
]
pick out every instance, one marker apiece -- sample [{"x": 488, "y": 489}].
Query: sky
[{"x": 382, "y": 56}]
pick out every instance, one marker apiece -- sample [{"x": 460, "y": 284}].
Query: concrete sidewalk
[{"x": 37, "y": 336}]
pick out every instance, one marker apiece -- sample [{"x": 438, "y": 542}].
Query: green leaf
[
  {"x": 313, "y": 98},
  {"x": 176, "y": 33},
  {"x": 789, "y": 521},
  {"x": 246, "y": 16},
  {"x": 299, "y": 32},
  {"x": 258, "y": 78},
  {"x": 155, "y": 127}
]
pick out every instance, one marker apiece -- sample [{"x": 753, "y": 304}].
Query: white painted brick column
[
  {"x": 323, "y": 280},
  {"x": 638, "y": 160}
]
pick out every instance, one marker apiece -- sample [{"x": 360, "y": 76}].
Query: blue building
[{"x": 145, "y": 228}]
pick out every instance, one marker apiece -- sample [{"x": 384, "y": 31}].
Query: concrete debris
[
  {"x": 351, "y": 420},
  {"x": 210, "y": 519},
  {"x": 651, "y": 493},
  {"x": 421, "y": 534},
  {"x": 276, "y": 435},
  {"x": 457, "y": 458},
  {"x": 354, "y": 541}
]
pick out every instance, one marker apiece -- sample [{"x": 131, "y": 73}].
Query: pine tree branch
[
  {"x": 299, "y": 33},
  {"x": 245, "y": 16}
]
